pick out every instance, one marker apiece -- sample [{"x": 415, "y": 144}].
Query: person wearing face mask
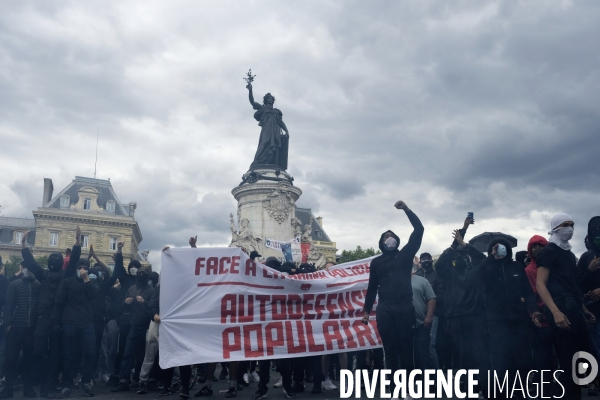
[
  {"x": 73, "y": 315},
  {"x": 464, "y": 304},
  {"x": 428, "y": 272},
  {"x": 589, "y": 281},
  {"x": 558, "y": 287},
  {"x": 126, "y": 279},
  {"x": 137, "y": 303},
  {"x": 19, "y": 326},
  {"x": 47, "y": 342},
  {"x": 390, "y": 277},
  {"x": 100, "y": 277},
  {"x": 509, "y": 304}
]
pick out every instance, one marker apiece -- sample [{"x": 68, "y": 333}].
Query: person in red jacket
[{"x": 543, "y": 350}]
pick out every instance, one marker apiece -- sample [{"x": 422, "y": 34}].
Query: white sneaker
[
  {"x": 279, "y": 383},
  {"x": 328, "y": 385},
  {"x": 246, "y": 379},
  {"x": 255, "y": 376}
]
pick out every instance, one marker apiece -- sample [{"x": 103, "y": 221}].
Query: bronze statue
[{"x": 272, "y": 148}]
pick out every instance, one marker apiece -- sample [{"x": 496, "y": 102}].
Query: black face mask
[
  {"x": 427, "y": 264},
  {"x": 141, "y": 279}
]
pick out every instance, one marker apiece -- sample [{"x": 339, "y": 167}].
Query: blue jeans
[{"x": 78, "y": 340}]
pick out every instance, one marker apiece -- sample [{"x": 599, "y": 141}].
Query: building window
[
  {"x": 53, "y": 238},
  {"x": 112, "y": 243},
  {"x": 319, "y": 234},
  {"x": 65, "y": 202},
  {"x": 110, "y": 206},
  {"x": 84, "y": 241},
  {"x": 87, "y": 204},
  {"x": 18, "y": 237}
]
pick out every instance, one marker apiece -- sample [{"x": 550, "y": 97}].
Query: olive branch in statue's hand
[{"x": 249, "y": 78}]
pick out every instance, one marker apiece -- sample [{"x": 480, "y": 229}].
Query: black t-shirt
[{"x": 562, "y": 281}]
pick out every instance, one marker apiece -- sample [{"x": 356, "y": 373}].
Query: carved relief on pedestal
[
  {"x": 244, "y": 236},
  {"x": 296, "y": 226},
  {"x": 316, "y": 257},
  {"x": 279, "y": 204}
]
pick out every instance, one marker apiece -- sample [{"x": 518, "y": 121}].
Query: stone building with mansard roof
[{"x": 90, "y": 203}]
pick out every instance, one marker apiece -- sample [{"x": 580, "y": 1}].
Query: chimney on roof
[
  {"x": 48, "y": 189},
  {"x": 320, "y": 221},
  {"x": 132, "y": 207}
]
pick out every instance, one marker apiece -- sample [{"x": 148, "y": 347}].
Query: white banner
[
  {"x": 218, "y": 305},
  {"x": 276, "y": 244}
]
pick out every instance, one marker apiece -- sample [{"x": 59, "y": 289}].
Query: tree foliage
[
  {"x": 13, "y": 265},
  {"x": 358, "y": 254}
]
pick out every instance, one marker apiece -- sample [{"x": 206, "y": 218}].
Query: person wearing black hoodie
[
  {"x": 136, "y": 302},
  {"x": 19, "y": 324},
  {"x": 73, "y": 315},
  {"x": 589, "y": 280},
  {"x": 101, "y": 277},
  {"x": 390, "y": 276},
  {"x": 47, "y": 342},
  {"x": 509, "y": 303},
  {"x": 126, "y": 280},
  {"x": 464, "y": 304}
]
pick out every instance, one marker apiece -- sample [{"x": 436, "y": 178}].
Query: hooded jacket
[
  {"x": 531, "y": 270},
  {"x": 463, "y": 295},
  {"x": 154, "y": 303},
  {"x": 508, "y": 293},
  {"x": 73, "y": 304},
  {"x": 21, "y": 297},
  {"x": 390, "y": 273},
  {"x": 139, "y": 312},
  {"x": 126, "y": 281},
  {"x": 589, "y": 280},
  {"x": 101, "y": 303},
  {"x": 49, "y": 279}
]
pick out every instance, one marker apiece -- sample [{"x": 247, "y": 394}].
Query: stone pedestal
[{"x": 266, "y": 210}]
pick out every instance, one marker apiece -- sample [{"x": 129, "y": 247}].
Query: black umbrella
[{"x": 482, "y": 242}]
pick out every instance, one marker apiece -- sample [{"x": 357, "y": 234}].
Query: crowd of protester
[{"x": 74, "y": 325}]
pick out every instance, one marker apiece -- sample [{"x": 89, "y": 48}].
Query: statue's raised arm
[{"x": 254, "y": 104}]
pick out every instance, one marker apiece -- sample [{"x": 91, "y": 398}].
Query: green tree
[
  {"x": 358, "y": 254},
  {"x": 13, "y": 265}
]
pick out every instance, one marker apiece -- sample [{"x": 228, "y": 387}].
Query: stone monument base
[{"x": 266, "y": 210}]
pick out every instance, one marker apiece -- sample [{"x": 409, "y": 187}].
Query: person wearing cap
[
  {"x": 558, "y": 287},
  {"x": 464, "y": 305},
  {"x": 73, "y": 316}
]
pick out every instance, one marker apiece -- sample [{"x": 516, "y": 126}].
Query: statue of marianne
[{"x": 273, "y": 143}]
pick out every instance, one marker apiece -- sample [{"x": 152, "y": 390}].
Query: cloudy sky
[{"x": 482, "y": 106}]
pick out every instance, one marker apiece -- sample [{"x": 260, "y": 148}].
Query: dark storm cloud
[{"x": 472, "y": 106}]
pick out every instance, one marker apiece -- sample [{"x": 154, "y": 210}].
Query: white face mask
[
  {"x": 133, "y": 271},
  {"x": 565, "y": 233},
  {"x": 561, "y": 236},
  {"x": 390, "y": 243}
]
